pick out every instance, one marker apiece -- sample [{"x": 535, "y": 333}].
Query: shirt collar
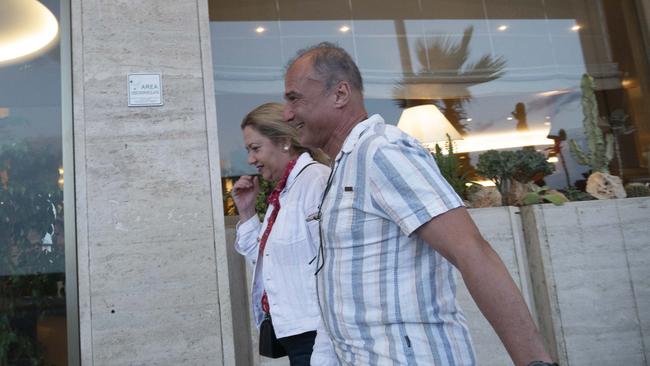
[
  {"x": 302, "y": 162},
  {"x": 358, "y": 130}
]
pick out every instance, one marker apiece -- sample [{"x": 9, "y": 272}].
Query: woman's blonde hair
[{"x": 268, "y": 120}]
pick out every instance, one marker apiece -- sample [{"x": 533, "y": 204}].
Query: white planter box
[{"x": 590, "y": 265}]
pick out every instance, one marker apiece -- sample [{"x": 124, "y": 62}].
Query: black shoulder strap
[{"x": 303, "y": 169}]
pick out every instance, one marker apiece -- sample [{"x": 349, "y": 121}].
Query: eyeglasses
[{"x": 321, "y": 252}]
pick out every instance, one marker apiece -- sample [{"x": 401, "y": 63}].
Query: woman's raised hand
[{"x": 244, "y": 193}]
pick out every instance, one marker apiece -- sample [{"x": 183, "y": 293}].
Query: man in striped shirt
[{"x": 392, "y": 228}]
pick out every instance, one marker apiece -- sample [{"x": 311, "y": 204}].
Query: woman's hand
[{"x": 244, "y": 193}]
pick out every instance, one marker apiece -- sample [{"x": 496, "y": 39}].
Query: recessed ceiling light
[
  {"x": 469, "y": 120},
  {"x": 503, "y": 28},
  {"x": 547, "y": 123},
  {"x": 509, "y": 118},
  {"x": 576, "y": 28},
  {"x": 344, "y": 28},
  {"x": 260, "y": 29}
]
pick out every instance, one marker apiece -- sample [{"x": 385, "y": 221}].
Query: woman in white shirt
[{"x": 282, "y": 248}]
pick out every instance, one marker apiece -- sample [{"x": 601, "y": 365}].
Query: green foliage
[
  {"x": 450, "y": 169},
  {"x": 600, "y": 146},
  {"x": 637, "y": 190},
  {"x": 266, "y": 187},
  {"x": 543, "y": 195},
  {"x": 502, "y": 167},
  {"x": 31, "y": 210},
  {"x": 574, "y": 194}
]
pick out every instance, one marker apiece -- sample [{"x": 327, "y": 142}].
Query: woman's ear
[{"x": 286, "y": 145}]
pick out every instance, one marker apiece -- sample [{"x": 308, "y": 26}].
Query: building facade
[{"x": 119, "y": 140}]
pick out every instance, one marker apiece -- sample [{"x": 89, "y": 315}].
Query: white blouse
[{"x": 287, "y": 271}]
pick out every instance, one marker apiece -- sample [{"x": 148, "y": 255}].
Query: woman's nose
[{"x": 251, "y": 159}]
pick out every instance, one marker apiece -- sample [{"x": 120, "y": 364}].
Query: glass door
[{"x": 34, "y": 234}]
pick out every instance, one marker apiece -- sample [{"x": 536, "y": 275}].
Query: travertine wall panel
[
  {"x": 153, "y": 277},
  {"x": 593, "y": 276}
]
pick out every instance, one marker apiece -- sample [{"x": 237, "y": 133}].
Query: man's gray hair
[{"x": 332, "y": 64}]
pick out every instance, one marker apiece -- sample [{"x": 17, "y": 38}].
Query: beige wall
[{"x": 153, "y": 277}]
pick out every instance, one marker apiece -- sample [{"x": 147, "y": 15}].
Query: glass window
[
  {"x": 33, "y": 317},
  {"x": 505, "y": 73}
]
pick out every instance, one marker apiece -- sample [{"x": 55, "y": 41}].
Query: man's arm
[{"x": 455, "y": 236}]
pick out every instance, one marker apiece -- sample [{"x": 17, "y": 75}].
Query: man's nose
[{"x": 288, "y": 114}]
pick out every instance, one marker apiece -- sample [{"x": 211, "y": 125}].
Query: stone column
[{"x": 153, "y": 276}]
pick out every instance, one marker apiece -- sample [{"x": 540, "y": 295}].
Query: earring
[{"x": 286, "y": 148}]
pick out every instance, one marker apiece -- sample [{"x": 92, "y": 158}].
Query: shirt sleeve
[
  {"x": 406, "y": 185},
  {"x": 246, "y": 242}
]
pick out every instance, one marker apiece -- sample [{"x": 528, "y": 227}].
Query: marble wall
[
  {"x": 152, "y": 261},
  {"x": 590, "y": 266},
  {"x": 583, "y": 269}
]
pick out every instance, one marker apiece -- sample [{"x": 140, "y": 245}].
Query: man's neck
[{"x": 335, "y": 142}]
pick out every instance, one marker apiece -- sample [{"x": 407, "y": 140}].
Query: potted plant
[
  {"x": 600, "y": 146},
  {"x": 506, "y": 168},
  {"x": 450, "y": 168}
]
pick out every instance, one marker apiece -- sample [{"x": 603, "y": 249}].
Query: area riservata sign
[{"x": 145, "y": 90}]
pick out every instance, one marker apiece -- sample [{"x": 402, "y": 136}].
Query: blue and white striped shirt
[{"x": 386, "y": 296}]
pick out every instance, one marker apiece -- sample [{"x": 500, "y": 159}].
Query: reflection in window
[
  {"x": 505, "y": 74},
  {"x": 32, "y": 255}
]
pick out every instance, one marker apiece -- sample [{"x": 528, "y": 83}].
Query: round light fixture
[{"x": 26, "y": 27}]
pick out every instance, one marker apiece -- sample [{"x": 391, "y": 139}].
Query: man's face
[{"x": 309, "y": 107}]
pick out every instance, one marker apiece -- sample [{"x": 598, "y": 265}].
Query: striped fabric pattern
[{"x": 387, "y": 297}]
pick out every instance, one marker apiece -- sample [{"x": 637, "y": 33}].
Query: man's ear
[{"x": 342, "y": 94}]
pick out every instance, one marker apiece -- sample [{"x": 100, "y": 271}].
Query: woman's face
[{"x": 269, "y": 158}]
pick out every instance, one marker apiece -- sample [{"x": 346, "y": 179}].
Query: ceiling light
[
  {"x": 344, "y": 28},
  {"x": 509, "y": 118},
  {"x": 260, "y": 29},
  {"x": 503, "y": 28},
  {"x": 26, "y": 26},
  {"x": 576, "y": 28},
  {"x": 469, "y": 120}
]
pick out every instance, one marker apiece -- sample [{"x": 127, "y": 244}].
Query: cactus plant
[
  {"x": 600, "y": 146},
  {"x": 637, "y": 190}
]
